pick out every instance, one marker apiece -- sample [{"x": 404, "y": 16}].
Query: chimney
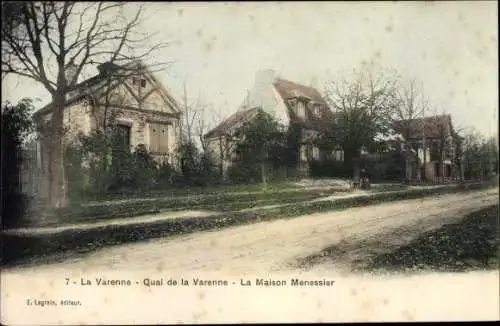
[
  {"x": 70, "y": 70},
  {"x": 106, "y": 68},
  {"x": 265, "y": 77}
]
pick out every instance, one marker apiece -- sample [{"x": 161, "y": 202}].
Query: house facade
[
  {"x": 433, "y": 140},
  {"x": 127, "y": 98},
  {"x": 287, "y": 102}
]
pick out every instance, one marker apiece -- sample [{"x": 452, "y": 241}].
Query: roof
[
  {"x": 80, "y": 90},
  {"x": 232, "y": 121},
  {"x": 287, "y": 90},
  {"x": 432, "y": 126}
]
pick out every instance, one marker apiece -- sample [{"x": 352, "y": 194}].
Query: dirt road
[{"x": 276, "y": 246}]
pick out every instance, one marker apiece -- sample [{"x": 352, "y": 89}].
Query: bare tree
[
  {"x": 61, "y": 35},
  {"x": 198, "y": 117},
  {"x": 191, "y": 113},
  {"x": 209, "y": 117},
  {"x": 409, "y": 117},
  {"x": 364, "y": 107}
]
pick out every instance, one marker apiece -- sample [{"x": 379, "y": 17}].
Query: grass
[
  {"x": 21, "y": 249},
  {"x": 222, "y": 202},
  {"x": 193, "y": 191}
]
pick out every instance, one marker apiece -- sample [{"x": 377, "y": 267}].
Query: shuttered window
[
  {"x": 158, "y": 138},
  {"x": 315, "y": 153}
]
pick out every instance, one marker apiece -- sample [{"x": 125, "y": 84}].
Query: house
[
  {"x": 433, "y": 140},
  {"x": 130, "y": 98},
  {"x": 286, "y": 101}
]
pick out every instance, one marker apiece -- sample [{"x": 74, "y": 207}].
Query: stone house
[
  {"x": 433, "y": 139},
  {"x": 286, "y": 101},
  {"x": 130, "y": 98}
]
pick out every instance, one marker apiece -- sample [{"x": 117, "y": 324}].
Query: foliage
[
  {"x": 198, "y": 169},
  {"x": 330, "y": 169},
  {"x": 16, "y": 126},
  {"x": 388, "y": 166},
  {"x": 479, "y": 155},
  {"x": 263, "y": 145},
  {"x": 98, "y": 163}
]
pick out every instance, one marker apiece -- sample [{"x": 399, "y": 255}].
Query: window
[
  {"x": 158, "y": 138},
  {"x": 315, "y": 153},
  {"x": 317, "y": 111},
  {"x": 303, "y": 153},
  {"x": 136, "y": 81},
  {"x": 122, "y": 136},
  {"x": 338, "y": 155},
  {"x": 301, "y": 109}
]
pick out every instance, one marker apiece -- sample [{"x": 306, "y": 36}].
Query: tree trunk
[
  {"x": 263, "y": 165},
  {"x": 263, "y": 172},
  {"x": 221, "y": 161},
  {"x": 57, "y": 183},
  {"x": 353, "y": 159},
  {"x": 408, "y": 172}
]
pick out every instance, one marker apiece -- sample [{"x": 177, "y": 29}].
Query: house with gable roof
[
  {"x": 141, "y": 110},
  {"x": 289, "y": 103},
  {"x": 433, "y": 139}
]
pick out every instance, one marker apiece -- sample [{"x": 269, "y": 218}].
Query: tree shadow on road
[{"x": 470, "y": 244}]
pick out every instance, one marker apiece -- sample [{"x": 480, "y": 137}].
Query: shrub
[
  {"x": 16, "y": 125},
  {"x": 95, "y": 165},
  {"x": 330, "y": 169},
  {"x": 198, "y": 169},
  {"x": 241, "y": 172}
]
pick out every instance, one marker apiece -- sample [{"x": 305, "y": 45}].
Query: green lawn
[{"x": 211, "y": 190}]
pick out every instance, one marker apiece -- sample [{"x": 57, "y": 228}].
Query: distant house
[
  {"x": 289, "y": 103},
  {"x": 140, "y": 109},
  {"x": 433, "y": 139}
]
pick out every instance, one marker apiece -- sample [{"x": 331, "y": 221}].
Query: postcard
[{"x": 249, "y": 162}]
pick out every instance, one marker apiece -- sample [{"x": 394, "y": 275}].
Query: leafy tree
[
  {"x": 16, "y": 126},
  {"x": 480, "y": 155},
  {"x": 190, "y": 161},
  {"x": 197, "y": 168},
  {"x": 262, "y": 144}
]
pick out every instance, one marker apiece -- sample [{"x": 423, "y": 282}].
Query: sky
[{"x": 451, "y": 48}]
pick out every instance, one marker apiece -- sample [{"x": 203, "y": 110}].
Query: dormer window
[
  {"x": 136, "y": 81},
  {"x": 316, "y": 110},
  {"x": 301, "y": 109}
]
